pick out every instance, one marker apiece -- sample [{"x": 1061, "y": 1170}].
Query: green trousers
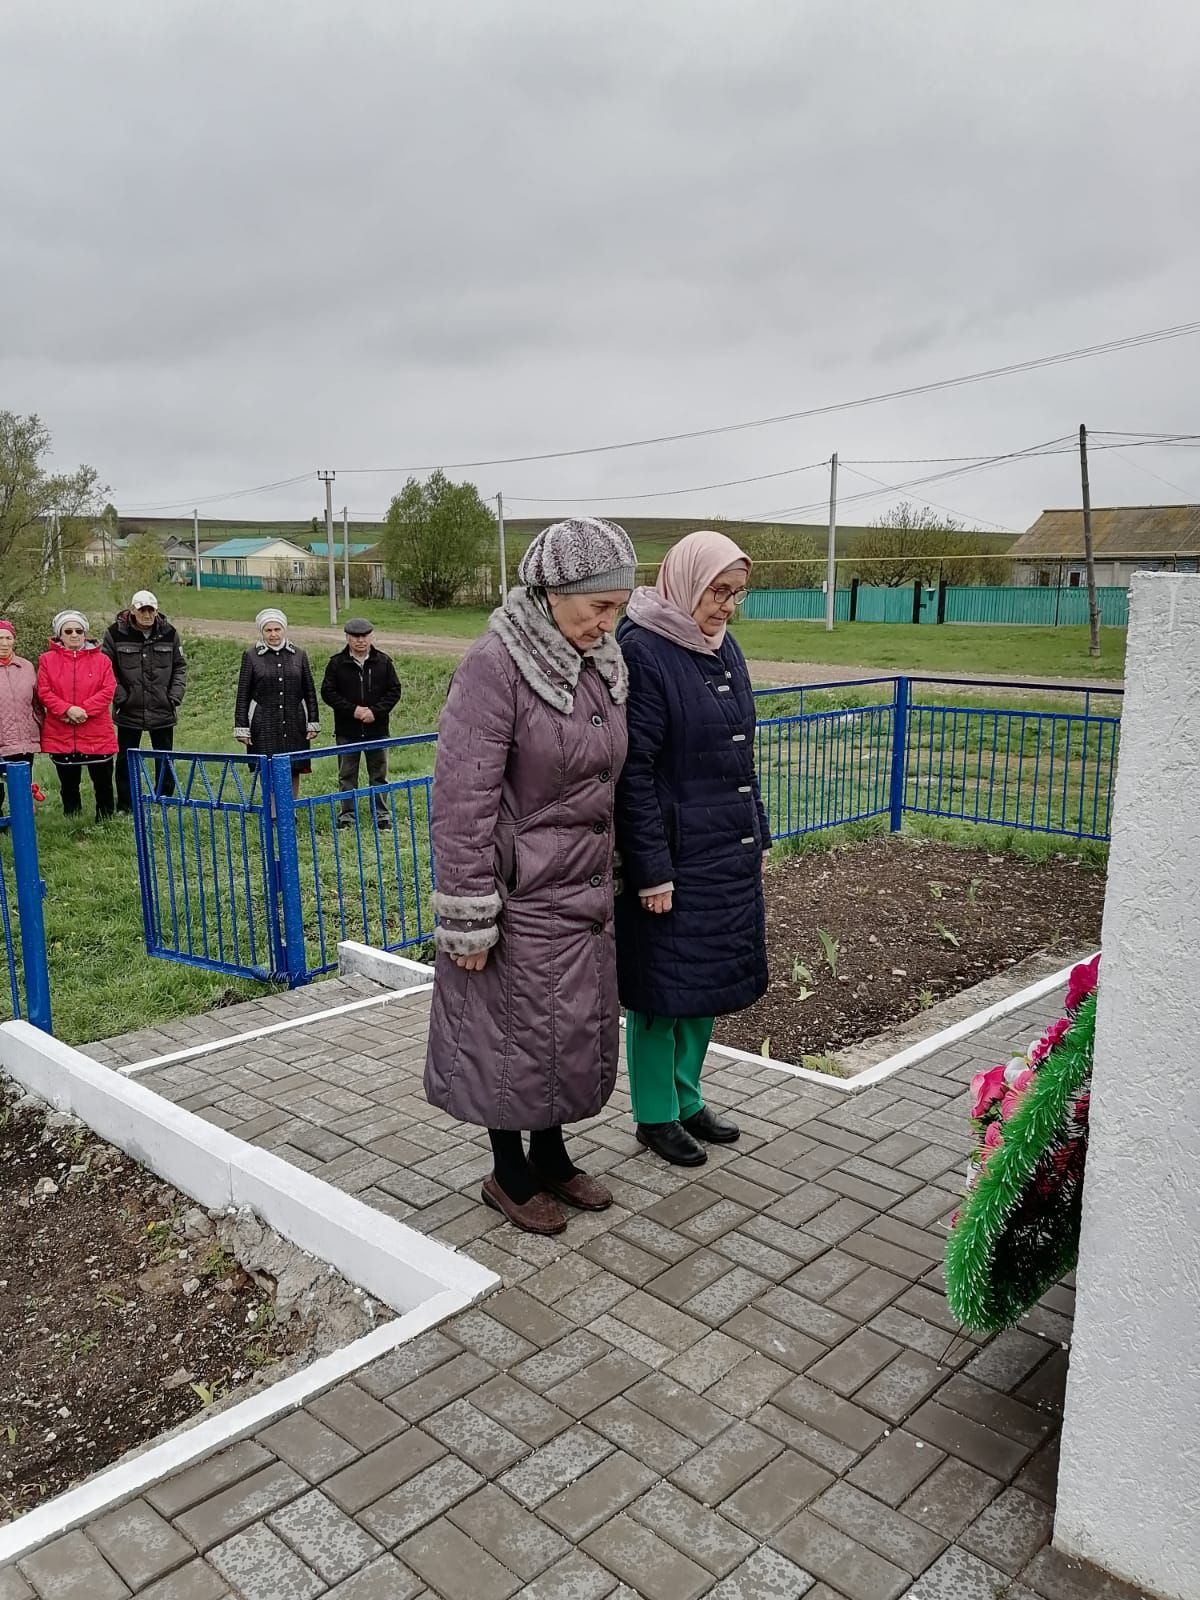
[{"x": 665, "y": 1055}]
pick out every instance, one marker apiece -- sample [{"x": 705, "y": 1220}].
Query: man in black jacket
[
  {"x": 361, "y": 687},
  {"x": 151, "y": 673}
]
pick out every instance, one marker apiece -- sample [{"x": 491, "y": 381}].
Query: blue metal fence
[
  {"x": 27, "y": 990},
  {"x": 239, "y": 876}
]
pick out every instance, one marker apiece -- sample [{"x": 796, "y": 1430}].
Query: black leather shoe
[
  {"x": 707, "y": 1125},
  {"x": 672, "y": 1142}
]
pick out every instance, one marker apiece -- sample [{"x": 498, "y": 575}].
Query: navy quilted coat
[{"x": 688, "y": 812}]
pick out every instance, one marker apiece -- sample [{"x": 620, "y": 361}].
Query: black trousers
[
  {"x": 70, "y": 777},
  {"x": 376, "y": 773},
  {"x": 164, "y": 777},
  {"x": 25, "y": 756}
]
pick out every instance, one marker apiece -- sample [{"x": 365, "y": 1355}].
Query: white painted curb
[
  {"x": 384, "y": 966},
  {"x": 420, "y": 1279}
]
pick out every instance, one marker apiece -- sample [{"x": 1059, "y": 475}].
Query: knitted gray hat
[{"x": 583, "y": 555}]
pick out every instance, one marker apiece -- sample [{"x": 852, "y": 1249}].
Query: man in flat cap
[{"x": 361, "y": 687}]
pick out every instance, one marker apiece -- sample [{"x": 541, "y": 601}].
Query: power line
[
  {"x": 970, "y": 516},
  {"x": 234, "y": 494},
  {"x": 660, "y": 494},
  {"x": 1187, "y": 493},
  {"x": 1082, "y": 353}
]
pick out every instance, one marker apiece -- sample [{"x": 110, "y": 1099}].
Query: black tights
[{"x": 517, "y": 1174}]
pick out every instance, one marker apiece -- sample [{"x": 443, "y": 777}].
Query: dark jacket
[
  {"x": 279, "y": 684},
  {"x": 150, "y": 670},
  {"x": 346, "y": 684},
  {"x": 689, "y": 813}
]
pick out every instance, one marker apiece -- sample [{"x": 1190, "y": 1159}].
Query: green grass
[
  {"x": 897, "y": 647},
  {"x": 101, "y": 979}
]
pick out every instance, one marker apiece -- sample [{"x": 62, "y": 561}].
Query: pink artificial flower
[
  {"x": 1009, "y": 1104},
  {"x": 1083, "y": 981},
  {"x": 987, "y": 1087},
  {"x": 1024, "y": 1081},
  {"x": 992, "y": 1139},
  {"x": 1051, "y": 1037}
]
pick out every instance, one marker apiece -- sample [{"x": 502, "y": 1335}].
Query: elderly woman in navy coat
[{"x": 691, "y": 935}]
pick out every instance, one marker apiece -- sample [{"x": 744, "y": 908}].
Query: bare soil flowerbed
[
  {"x": 906, "y": 923},
  {"x": 122, "y": 1312}
]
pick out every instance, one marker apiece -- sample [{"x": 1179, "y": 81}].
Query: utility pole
[
  {"x": 831, "y": 563},
  {"x": 327, "y": 478},
  {"x": 196, "y": 543},
  {"x": 503, "y": 557},
  {"x": 1093, "y": 602},
  {"x": 346, "y": 557},
  {"x": 58, "y": 545}
]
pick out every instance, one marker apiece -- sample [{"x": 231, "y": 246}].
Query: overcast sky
[{"x": 241, "y": 240}]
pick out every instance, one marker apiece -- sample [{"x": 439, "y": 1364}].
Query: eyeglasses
[
  {"x": 725, "y": 596},
  {"x": 71, "y": 631}
]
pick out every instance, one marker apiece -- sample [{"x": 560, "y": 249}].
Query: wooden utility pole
[
  {"x": 1089, "y": 556},
  {"x": 831, "y": 553},
  {"x": 327, "y": 478}
]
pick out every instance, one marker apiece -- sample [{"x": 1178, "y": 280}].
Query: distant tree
[
  {"x": 436, "y": 537},
  {"x": 141, "y": 565},
  {"x": 911, "y": 542},
  {"x": 784, "y": 558},
  {"x": 29, "y": 496}
]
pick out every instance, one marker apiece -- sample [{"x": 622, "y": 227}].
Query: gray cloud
[{"x": 238, "y": 242}]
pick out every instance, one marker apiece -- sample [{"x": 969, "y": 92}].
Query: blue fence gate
[
  {"x": 26, "y": 993},
  {"x": 239, "y": 876}
]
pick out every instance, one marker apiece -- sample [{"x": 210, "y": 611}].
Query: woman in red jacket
[{"x": 76, "y": 686}]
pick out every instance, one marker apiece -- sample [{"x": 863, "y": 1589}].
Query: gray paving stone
[
  {"x": 896, "y": 1466},
  {"x": 776, "y": 1340},
  {"x": 1001, "y": 1412},
  {"x": 695, "y": 1530},
  {"x": 806, "y": 1316},
  {"x": 592, "y": 1299},
  {"x": 853, "y": 1362},
  {"x": 1009, "y": 1359},
  {"x": 867, "y": 1294},
  {"x": 633, "y": 1342},
  {"x": 258, "y": 1564},
  {"x": 455, "y": 1566},
  {"x": 901, "y": 1541},
  {"x": 830, "y": 1413},
  {"x": 71, "y": 1568},
  {"x": 306, "y": 1444},
  {"x": 196, "y": 1483},
  {"x": 1010, "y": 1532},
  {"x": 724, "y": 1465},
  {"x": 991, "y": 1452},
  {"x": 845, "y": 1565},
  {"x": 357, "y": 1416},
  {"x": 384, "y": 1579},
  {"x": 139, "y": 1544},
  {"x": 766, "y": 1575},
  {"x": 708, "y": 1360},
  {"x": 237, "y": 1507},
  {"x": 476, "y": 1438},
  {"x": 13, "y": 1585},
  {"x": 407, "y": 1363},
  {"x": 559, "y": 1361},
  {"x": 622, "y": 1259},
  {"x": 826, "y": 1275},
  {"x": 195, "y": 1581},
  {"x": 749, "y": 1386},
  {"x": 559, "y": 1462},
  {"x": 632, "y": 1429},
  {"x": 534, "y": 1322},
  {"x": 528, "y": 1414},
  {"x": 660, "y": 1321},
  {"x": 426, "y": 1495},
  {"x": 324, "y": 1537},
  {"x": 438, "y": 1388},
  {"x": 775, "y": 1495},
  {"x": 951, "y": 1497},
  {"x": 596, "y": 1384},
  {"x": 599, "y": 1494},
  {"x": 800, "y": 1436},
  {"x": 502, "y": 1527},
  {"x": 575, "y": 1577},
  {"x": 902, "y": 1385},
  {"x": 726, "y": 1297},
  {"x": 960, "y": 1576},
  {"x": 374, "y": 1475},
  {"x": 651, "y": 1567}
]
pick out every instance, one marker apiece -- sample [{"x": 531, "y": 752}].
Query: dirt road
[{"x": 766, "y": 674}]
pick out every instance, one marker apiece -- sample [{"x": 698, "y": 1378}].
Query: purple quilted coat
[{"x": 522, "y": 823}]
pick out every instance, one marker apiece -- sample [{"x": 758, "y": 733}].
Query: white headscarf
[
  {"x": 267, "y": 615},
  {"x": 56, "y": 627}
]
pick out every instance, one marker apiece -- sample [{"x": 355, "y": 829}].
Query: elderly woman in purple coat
[{"x": 524, "y": 1034}]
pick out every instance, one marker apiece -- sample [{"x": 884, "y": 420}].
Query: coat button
[
  {"x": 597, "y": 721},
  {"x": 606, "y": 776},
  {"x": 597, "y": 927},
  {"x": 598, "y": 827},
  {"x": 597, "y": 880}
]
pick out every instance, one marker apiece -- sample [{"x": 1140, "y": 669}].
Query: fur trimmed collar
[
  {"x": 265, "y": 649},
  {"x": 548, "y": 663}
]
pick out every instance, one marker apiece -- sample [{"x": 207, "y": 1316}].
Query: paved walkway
[
  {"x": 742, "y": 1383},
  {"x": 766, "y": 674}
]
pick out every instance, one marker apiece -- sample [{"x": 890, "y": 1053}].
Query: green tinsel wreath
[{"x": 1017, "y": 1231}]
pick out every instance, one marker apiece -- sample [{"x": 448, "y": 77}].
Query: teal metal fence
[{"x": 1019, "y": 607}]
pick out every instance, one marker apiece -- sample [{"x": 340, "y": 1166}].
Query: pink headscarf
[{"x": 690, "y": 567}]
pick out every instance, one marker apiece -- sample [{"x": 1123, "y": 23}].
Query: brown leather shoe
[
  {"x": 539, "y": 1215},
  {"x": 580, "y": 1191}
]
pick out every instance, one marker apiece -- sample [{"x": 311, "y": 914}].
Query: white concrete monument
[{"x": 1129, "y": 1484}]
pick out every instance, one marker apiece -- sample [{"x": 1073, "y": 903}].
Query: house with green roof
[{"x": 254, "y": 558}]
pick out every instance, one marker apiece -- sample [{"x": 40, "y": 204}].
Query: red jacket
[{"x": 81, "y": 678}]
